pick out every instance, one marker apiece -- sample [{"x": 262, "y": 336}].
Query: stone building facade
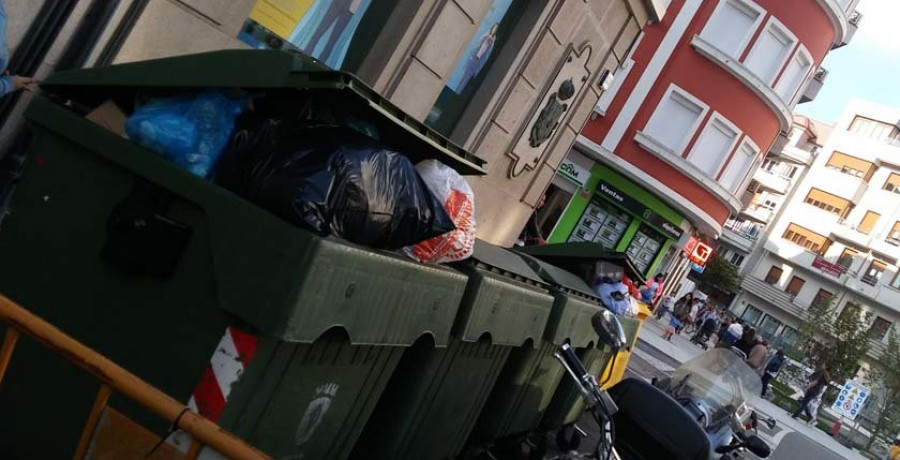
[{"x": 522, "y": 112}]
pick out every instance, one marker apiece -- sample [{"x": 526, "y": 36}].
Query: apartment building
[
  {"x": 838, "y": 236},
  {"x": 690, "y": 114},
  {"x": 772, "y": 186}
]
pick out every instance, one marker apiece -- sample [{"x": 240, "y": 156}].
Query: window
[
  {"x": 768, "y": 327},
  {"x": 868, "y": 221},
  {"x": 556, "y": 199},
  {"x": 793, "y": 287},
  {"x": 873, "y": 129},
  {"x": 494, "y": 32},
  {"x": 751, "y": 314},
  {"x": 828, "y": 202},
  {"x": 794, "y": 75},
  {"x": 895, "y": 283},
  {"x": 736, "y": 259},
  {"x": 806, "y": 238},
  {"x": 601, "y": 223},
  {"x": 773, "y": 276},
  {"x": 892, "y": 184},
  {"x": 873, "y": 274},
  {"x": 846, "y": 258},
  {"x": 893, "y": 237},
  {"x": 851, "y": 165},
  {"x": 675, "y": 119},
  {"x": 770, "y": 51},
  {"x": 822, "y": 299},
  {"x": 731, "y": 25},
  {"x": 879, "y": 328},
  {"x": 714, "y": 145},
  {"x": 740, "y": 166},
  {"x": 644, "y": 247}
]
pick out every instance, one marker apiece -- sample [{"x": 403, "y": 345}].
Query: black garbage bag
[{"x": 333, "y": 180}]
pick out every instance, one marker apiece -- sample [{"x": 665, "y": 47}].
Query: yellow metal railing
[{"x": 114, "y": 378}]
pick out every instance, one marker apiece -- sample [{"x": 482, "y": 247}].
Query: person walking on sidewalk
[
  {"x": 9, "y": 83},
  {"x": 648, "y": 293},
  {"x": 758, "y": 353},
  {"x": 817, "y": 383},
  {"x": 772, "y": 369}
]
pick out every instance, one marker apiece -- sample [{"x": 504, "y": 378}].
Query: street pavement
[{"x": 654, "y": 356}]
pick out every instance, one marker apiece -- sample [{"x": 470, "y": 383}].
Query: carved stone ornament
[{"x": 570, "y": 79}]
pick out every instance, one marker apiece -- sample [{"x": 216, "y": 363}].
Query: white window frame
[
  {"x": 619, "y": 77},
  {"x": 717, "y": 117},
  {"x": 679, "y": 92},
  {"x": 754, "y": 165},
  {"x": 804, "y": 82},
  {"x": 740, "y": 4},
  {"x": 774, "y": 23}
]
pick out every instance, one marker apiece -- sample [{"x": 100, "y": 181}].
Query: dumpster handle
[{"x": 116, "y": 379}]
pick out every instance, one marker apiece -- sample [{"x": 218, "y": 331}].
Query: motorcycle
[
  {"x": 598, "y": 402},
  {"x": 717, "y": 388}
]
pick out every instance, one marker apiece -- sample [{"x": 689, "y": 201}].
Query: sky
[{"x": 867, "y": 68}]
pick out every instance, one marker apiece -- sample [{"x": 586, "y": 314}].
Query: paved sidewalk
[{"x": 680, "y": 349}]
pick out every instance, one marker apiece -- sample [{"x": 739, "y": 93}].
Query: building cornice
[
  {"x": 838, "y": 18},
  {"x": 709, "y": 184},
  {"x": 780, "y": 108},
  {"x": 698, "y": 217}
]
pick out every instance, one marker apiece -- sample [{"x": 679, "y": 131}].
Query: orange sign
[{"x": 701, "y": 253}]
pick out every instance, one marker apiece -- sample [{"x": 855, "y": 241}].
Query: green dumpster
[
  {"x": 328, "y": 320},
  {"x": 567, "y": 404},
  {"x": 434, "y": 398},
  {"x": 529, "y": 379}
]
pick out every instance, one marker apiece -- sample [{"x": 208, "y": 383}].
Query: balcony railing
[
  {"x": 815, "y": 85},
  {"x": 771, "y": 181},
  {"x": 870, "y": 280},
  {"x": 757, "y": 213}
]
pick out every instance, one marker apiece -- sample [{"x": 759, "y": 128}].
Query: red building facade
[{"x": 705, "y": 92}]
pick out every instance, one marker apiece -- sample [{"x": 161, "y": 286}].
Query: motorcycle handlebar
[{"x": 574, "y": 363}]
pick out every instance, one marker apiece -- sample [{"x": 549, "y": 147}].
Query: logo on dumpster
[{"x": 315, "y": 412}]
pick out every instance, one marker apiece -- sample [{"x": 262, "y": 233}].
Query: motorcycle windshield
[{"x": 719, "y": 378}]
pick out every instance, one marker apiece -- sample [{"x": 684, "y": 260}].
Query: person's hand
[{"x": 23, "y": 83}]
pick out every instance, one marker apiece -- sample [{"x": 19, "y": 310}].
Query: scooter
[{"x": 717, "y": 389}]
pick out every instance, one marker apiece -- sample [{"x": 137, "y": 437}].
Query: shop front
[{"x": 596, "y": 204}]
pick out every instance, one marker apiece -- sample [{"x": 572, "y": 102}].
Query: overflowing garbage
[
  {"x": 190, "y": 131},
  {"x": 315, "y": 167}
]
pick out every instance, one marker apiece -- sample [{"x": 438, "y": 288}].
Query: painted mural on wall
[
  {"x": 323, "y": 29},
  {"x": 480, "y": 48}
]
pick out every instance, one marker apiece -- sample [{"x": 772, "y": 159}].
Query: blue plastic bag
[{"x": 191, "y": 132}]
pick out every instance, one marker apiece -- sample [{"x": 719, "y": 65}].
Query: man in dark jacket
[{"x": 772, "y": 370}]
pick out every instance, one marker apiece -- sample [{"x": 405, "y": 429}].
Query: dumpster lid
[
  {"x": 559, "y": 278},
  {"x": 260, "y": 70},
  {"x": 496, "y": 259},
  {"x": 578, "y": 257}
]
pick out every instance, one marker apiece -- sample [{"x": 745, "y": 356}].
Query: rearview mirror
[
  {"x": 610, "y": 331},
  {"x": 758, "y": 447}
]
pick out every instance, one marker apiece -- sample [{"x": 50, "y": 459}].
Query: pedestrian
[
  {"x": 747, "y": 340},
  {"x": 818, "y": 381},
  {"x": 675, "y": 324},
  {"x": 532, "y": 234},
  {"x": 894, "y": 452},
  {"x": 758, "y": 353},
  {"x": 731, "y": 336},
  {"x": 9, "y": 83},
  {"x": 708, "y": 327},
  {"x": 648, "y": 293},
  {"x": 814, "y": 408},
  {"x": 683, "y": 304},
  {"x": 668, "y": 302},
  {"x": 772, "y": 369},
  {"x": 723, "y": 327}
]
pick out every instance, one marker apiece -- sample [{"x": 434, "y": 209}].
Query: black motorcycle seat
[{"x": 651, "y": 425}]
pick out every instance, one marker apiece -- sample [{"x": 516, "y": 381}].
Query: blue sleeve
[{"x": 6, "y": 86}]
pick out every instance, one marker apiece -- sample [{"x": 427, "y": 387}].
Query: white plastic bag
[{"x": 454, "y": 192}]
